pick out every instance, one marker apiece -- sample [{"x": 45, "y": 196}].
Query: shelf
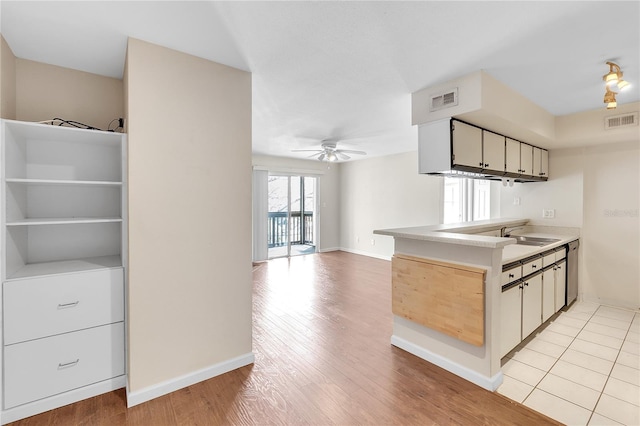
[
  {"x": 63, "y": 221},
  {"x": 66, "y": 266},
  {"x": 62, "y": 182}
]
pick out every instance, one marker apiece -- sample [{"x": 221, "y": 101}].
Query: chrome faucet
[{"x": 505, "y": 233}]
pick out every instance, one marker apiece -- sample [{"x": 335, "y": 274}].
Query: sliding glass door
[{"x": 291, "y": 215}]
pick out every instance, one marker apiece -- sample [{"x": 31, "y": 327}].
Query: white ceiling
[{"x": 347, "y": 69}]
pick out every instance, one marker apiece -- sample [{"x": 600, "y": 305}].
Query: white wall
[
  {"x": 597, "y": 189},
  {"x": 329, "y": 192},
  {"x": 385, "y": 192}
]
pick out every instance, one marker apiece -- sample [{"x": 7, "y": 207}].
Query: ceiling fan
[{"x": 329, "y": 152}]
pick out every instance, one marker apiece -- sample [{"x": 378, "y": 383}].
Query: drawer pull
[
  {"x": 511, "y": 276},
  {"x": 62, "y": 365},
  {"x": 68, "y": 305}
]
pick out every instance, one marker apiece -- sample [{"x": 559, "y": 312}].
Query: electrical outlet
[
  {"x": 548, "y": 213},
  {"x": 516, "y": 201},
  {"x": 357, "y": 239},
  {"x": 373, "y": 242}
]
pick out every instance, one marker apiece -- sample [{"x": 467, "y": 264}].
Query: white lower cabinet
[
  {"x": 531, "y": 304},
  {"x": 62, "y": 332},
  {"x": 510, "y": 319},
  {"x": 548, "y": 293},
  {"x": 560, "y": 283},
  {"x": 530, "y": 295},
  {"x": 44, "y": 367}
]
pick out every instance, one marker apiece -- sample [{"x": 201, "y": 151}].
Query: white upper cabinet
[
  {"x": 544, "y": 163},
  {"x": 526, "y": 159},
  {"x": 512, "y": 156},
  {"x": 451, "y": 147},
  {"x": 467, "y": 145},
  {"x": 493, "y": 151}
]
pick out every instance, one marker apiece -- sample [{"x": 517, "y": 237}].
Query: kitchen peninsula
[{"x": 447, "y": 286}]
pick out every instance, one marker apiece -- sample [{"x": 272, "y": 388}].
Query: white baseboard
[
  {"x": 60, "y": 400},
  {"x": 151, "y": 392},
  {"x": 328, "y": 249},
  {"x": 489, "y": 383},
  {"x": 365, "y": 253}
]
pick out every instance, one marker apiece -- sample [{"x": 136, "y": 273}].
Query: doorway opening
[{"x": 292, "y": 224}]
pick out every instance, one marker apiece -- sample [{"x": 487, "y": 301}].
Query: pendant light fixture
[{"x": 613, "y": 80}]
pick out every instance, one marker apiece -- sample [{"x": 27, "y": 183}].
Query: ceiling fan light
[
  {"x": 332, "y": 157},
  {"x": 610, "y": 78},
  {"x": 623, "y": 84},
  {"x": 612, "y": 105},
  {"x": 609, "y": 96}
]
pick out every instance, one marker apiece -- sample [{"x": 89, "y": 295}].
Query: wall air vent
[
  {"x": 624, "y": 120},
  {"x": 445, "y": 99}
]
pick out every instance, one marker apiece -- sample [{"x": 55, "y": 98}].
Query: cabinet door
[
  {"x": 467, "y": 145},
  {"x": 544, "y": 163},
  {"x": 548, "y": 294},
  {"x": 492, "y": 151},
  {"x": 526, "y": 159},
  {"x": 560, "y": 285},
  {"x": 537, "y": 161},
  {"x": 510, "y": 319},
  {"x": 531, "y": 304},
  {"x": 512, "y": 156}
]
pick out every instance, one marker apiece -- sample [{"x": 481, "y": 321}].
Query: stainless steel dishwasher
[{"x": 572, "y": 271}]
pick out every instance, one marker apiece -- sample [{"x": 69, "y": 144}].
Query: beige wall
[
  {"x": 597, "y": 189},
  {"x": 385, "y": 192},
  {"x": 48, "y": 91},
  {"x": 189, "y": 214},
  {"x": 329, "y": 194},
  {"x": 611, "y": 231},
  {"x": 7, "y": 81}
]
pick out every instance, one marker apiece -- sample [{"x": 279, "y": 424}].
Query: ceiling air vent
[
  {"x": 624, "y": 120},
  {"x": 445, "y": 99}
]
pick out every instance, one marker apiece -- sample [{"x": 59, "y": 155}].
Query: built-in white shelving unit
[{"x": 63, "y": 261}]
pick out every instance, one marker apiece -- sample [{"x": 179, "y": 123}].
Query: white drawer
[
  {"x": 532, "y": 266},
  {"x": 511, "y": 275},
  {"x": 45, "y": 306},
  {"x": 561, "y": 254},
  {"x": 45, "y": 367},
  {"x": 549, "y": 259}
]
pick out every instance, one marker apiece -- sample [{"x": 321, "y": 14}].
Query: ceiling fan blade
[
  {"x": 350, "y": 151},
  {"x": 342, "y": 155},
  {"x": 314, "y": 154},
  {"x": 306, "y": 150}
]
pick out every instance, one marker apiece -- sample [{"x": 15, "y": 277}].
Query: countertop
[
  {"x": 466, "y": 234},
  {"x": 458, "y": 233}
]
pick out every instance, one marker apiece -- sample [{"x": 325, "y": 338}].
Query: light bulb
[{"x": 623, "y": 85}]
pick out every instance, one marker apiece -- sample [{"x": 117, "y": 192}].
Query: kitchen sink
[{"x": 533, "y": 241}]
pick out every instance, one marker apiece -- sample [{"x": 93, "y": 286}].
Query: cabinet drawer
[
  {"x": 45, "y": 306},
  {"x": 44, "y": 367},
  {"x": 531, "y": 265},
  {"x": 549, "y": 259},
  {"x": 561, "y": 253},
  {"x": 511, "y": 275}
]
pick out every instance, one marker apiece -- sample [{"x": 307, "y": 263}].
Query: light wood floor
[{"x": 322, "y": 325}]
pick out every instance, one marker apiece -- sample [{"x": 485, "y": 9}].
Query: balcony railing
[{"x": 300, "y": 231}]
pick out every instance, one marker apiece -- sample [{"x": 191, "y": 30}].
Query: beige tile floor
[{"x": 583, "y": 368}]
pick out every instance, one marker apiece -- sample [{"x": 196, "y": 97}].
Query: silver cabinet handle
[
  {"x": 68, "y": 364},
  {"x": 68, "y": 305}
]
